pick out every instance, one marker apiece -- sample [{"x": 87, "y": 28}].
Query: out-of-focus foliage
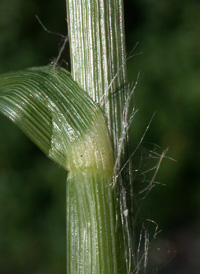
[
  {"x": 32, "y": 188},
  {"x": 168, "y": 35}
]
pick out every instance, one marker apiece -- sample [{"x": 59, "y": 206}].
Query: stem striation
[
  {"x": 98, "y": 59},
  {"x": 93, "y": 237},
  {"x": 98, "y": 65}
]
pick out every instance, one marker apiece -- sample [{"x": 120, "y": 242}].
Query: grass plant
[{"x": 81, "y": 121}]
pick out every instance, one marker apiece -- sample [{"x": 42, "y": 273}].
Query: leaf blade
[{"x": 49, "y": 107}]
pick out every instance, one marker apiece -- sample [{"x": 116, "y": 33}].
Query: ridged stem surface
[
  {"x": 98, "y": 65},
  {"x": 94, "y": 238},
  {"x": 97, "y": 47},
  {"x": 93, "y": 245}
]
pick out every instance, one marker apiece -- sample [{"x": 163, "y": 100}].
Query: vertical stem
[
  {"x": 98, "y": 65},
  {"x": 98, "y": 59},
  {"x": 93, "y": 245},
  {"x": 94, "y": 239}
]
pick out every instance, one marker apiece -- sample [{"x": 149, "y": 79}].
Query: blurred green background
[{"x": 32, "y": 188}]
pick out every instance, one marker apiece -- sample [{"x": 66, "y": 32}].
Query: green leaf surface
[{"x": 49, "y": 107}]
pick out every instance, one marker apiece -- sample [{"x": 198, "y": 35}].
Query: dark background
[{"x": 32, "y": 188}]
